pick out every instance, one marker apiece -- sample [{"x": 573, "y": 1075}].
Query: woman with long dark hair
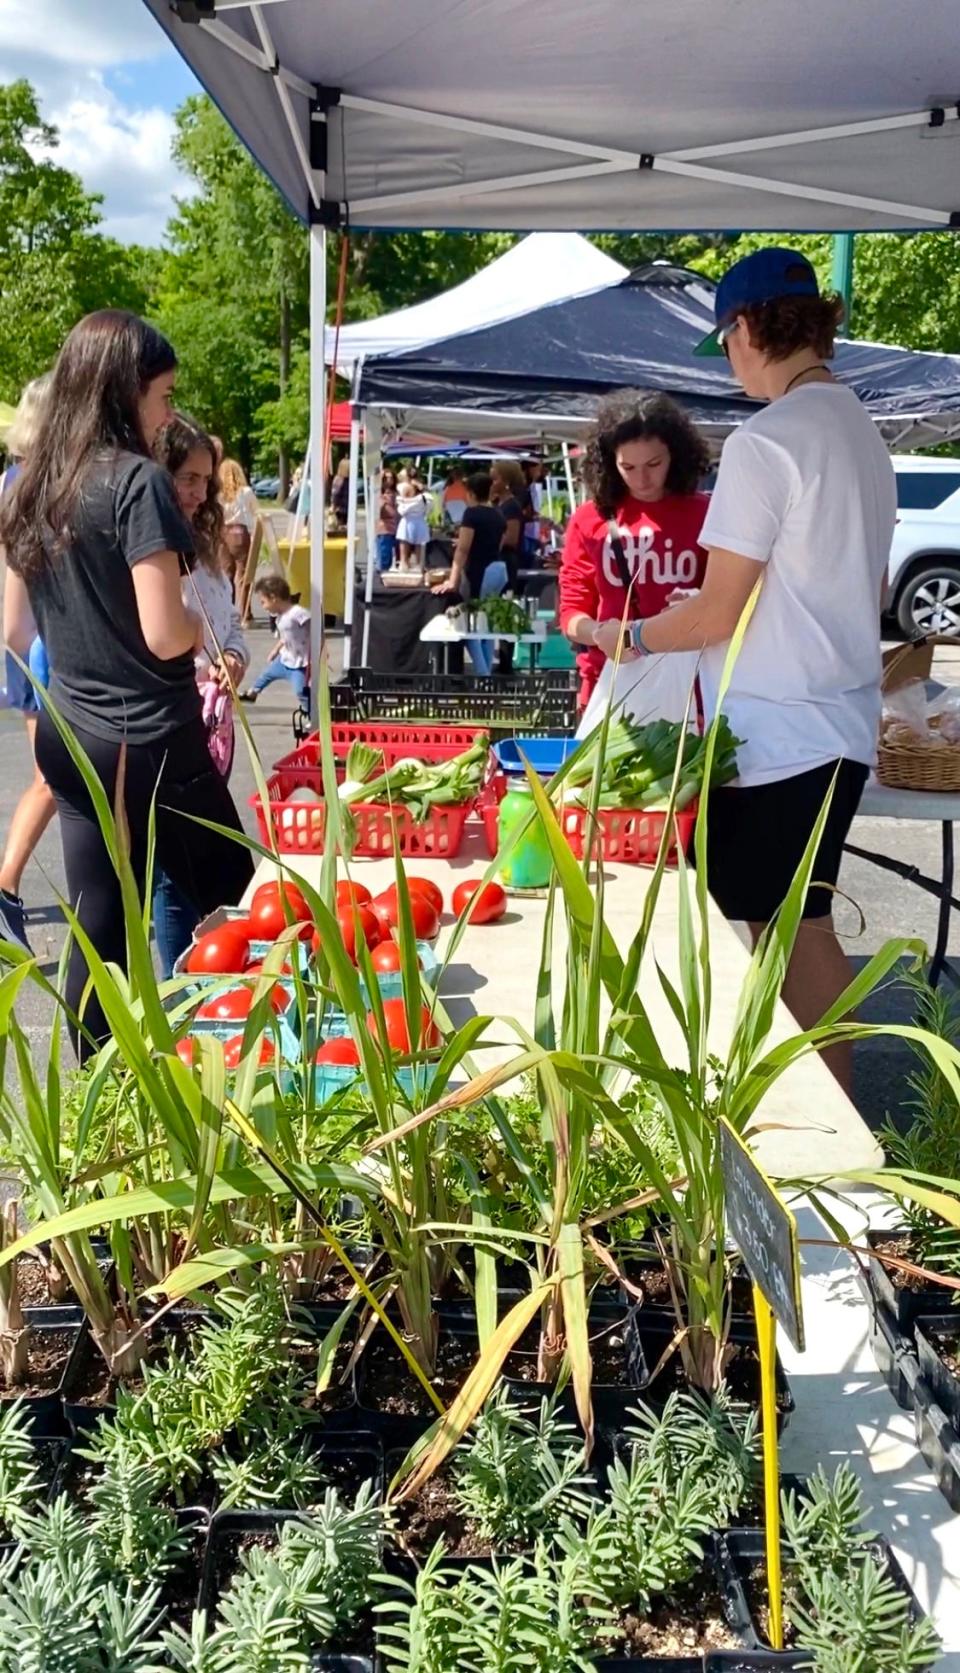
[
  {"x": 187, "y": 452},
  {"x": 633, "y": 547},
  {"x": 96, "y": 548}
]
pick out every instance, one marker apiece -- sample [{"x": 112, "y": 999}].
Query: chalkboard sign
[{"x": 764, "y": 1231}]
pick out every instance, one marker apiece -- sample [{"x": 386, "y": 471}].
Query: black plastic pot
[
  {"x": 742, "y": 1549},
  {"x": 612, "y": 1402},
  {"x": 224, "y": 1527},
  {"x": 901, "y": 1307},
  {"x": 45, "y": 1411},
  {"x": 83, "y": 1416},
  {"x": 717, "y": 1567},
  {"x": 656, "y": 1331},
  {"x": 649, "y": 1664},
  {"x": 937, "y": 1440},
  {"x": 399, "y": 1430},
  {"x": 751, "y": 1661},
  {"x": 931, "y": 1331},
  {"x": 894, "y": 1353}
]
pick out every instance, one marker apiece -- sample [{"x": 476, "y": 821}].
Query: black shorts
[{"x": 756, "y": 838}]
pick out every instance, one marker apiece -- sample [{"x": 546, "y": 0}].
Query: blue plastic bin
[{"x": 545, "y": 755}]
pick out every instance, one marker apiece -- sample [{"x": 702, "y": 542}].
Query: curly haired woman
[{"x": 633, "y": 548}]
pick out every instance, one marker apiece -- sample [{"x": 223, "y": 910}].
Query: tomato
[
  {"x": 267, "y": 916},
  {"x": 426, "y": 886},
  {"x": 256, "y": 969},
  {"x": 426, "y": 918},
  {"x": 221, "y": 952},
  {"x": 237, "y": 1003},
  {"x": 398, "y": 1034},
  {"x": 383, "y": 912},
  {"x": 346, "y": 892},
  {"x": 185, "y": 1050},
  {"x": 489, "y": 904},
  {"x": 351, "y": 918},
  {"x": 386, "y": 957},
  {"x": 233, "y": 1049},
  {"x": 338, "y": 1050}
]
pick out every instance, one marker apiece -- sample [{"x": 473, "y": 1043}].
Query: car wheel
[{"x": 930, "y": 601}]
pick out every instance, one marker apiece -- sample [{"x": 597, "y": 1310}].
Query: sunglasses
[{"x": 724, "y": 333}]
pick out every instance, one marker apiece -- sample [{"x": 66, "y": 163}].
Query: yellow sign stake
[{"x": 767, "y": 1344}]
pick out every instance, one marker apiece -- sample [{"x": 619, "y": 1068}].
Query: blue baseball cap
[{"x": 761, "y": 277}]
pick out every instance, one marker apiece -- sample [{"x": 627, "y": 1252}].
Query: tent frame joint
[
  {"x": 647, "y": 160},
  {"x": 327, "y": 213}
]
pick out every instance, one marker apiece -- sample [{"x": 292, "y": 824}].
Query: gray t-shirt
[{"x": 104, "y": 678}]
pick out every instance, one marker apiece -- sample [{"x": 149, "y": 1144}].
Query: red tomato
[
  {"x": 426, "y": 886},
  {"x": 426, "y": 918},
  {"x": 386, "y": 957},
  {"x": 384, "y": 915},
  {"x": 221, "y": 952},
  {"x": 398, "y": 1034},
  {"x": 185, "y": 1050},
  {"x": 338, "y": 1050},
  {"x": 346, "y": 892},
  {"x": 233, "y": 1048},
  {"x": 256, "y": 969},
  {"x": 237, "y": 1003},
  {"x": 350, "y": 918},
  {"x": 267, "y": 916},
  {"x": 488, "y": 905}
]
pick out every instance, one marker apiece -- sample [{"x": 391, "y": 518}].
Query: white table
[
  {"x": 879, "y": 802},
  {"x": 816, "y": 1128},
  {"x": 438, "y": 642}
]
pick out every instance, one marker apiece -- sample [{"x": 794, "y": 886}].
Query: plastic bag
[
  {"x": 945, "y": 709},
  {"x": 905, "y": 713}
]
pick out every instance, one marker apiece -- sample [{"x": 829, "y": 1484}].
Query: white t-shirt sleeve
[{"x": 754, "y": 488}]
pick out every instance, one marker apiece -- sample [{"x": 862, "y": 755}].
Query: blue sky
[{"x": 109, "y": 80}]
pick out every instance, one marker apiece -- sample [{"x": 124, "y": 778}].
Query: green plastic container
[{"x": 529, "y": 865}]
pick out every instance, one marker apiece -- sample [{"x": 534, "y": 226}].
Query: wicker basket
[{"x": 906, "y": 762}]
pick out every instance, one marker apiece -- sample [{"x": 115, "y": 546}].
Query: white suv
[{"x": 924, "y": 572}]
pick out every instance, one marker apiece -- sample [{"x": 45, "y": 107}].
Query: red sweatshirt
[{"x": 661, "y": 546}]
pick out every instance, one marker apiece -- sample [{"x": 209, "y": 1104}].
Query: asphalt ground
[{"x": 877, "y": 906}]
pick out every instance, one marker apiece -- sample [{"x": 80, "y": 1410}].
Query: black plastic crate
[{"x": 541, "y": 704}]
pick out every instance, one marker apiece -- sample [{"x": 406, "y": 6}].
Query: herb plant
[
  {"x": 20, "y": 1483},
  {"x": 931, "y": 1142},
  {"x": 59, "y": 1614},
  {"x": 288, "y": 1601},
  {"x": 518, "y": 1476}
]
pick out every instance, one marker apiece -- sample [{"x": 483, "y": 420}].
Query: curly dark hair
[
  {"x": 641, "y": 415},
  {"x": 174, "y": 443},
  {"x": 790, "y": 323}
]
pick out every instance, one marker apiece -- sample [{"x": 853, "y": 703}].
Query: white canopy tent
[
  {"x": 668, "y": 115},
  {"x": 544, "y": 267}
]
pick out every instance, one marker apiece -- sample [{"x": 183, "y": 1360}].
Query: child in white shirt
[{"x": 290, "y": 658}]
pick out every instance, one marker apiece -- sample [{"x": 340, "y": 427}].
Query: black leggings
[{"x": 211, "y": 870}]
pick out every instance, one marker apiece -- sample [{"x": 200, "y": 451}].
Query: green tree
[{"x": 54, "y": 264}]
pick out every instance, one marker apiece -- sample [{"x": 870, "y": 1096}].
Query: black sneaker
[{"x": 11, "y": 920}]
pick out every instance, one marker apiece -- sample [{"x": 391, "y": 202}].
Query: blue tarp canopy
[{"x": 545, "y": 370}]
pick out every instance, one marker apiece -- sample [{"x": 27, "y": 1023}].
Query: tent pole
[
  {"x": 568, "y": 470},
  {"x": 373, "y": 435},
  {"x": 350, "y": 566},
  {"x": 318, "y": 427},
  {"x": 842, "y": 275}
]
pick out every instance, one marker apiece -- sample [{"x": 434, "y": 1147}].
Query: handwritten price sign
[{"x": 764, "y": 1230}]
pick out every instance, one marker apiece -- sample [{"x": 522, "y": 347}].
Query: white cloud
[{"x": 116, "y": 139}]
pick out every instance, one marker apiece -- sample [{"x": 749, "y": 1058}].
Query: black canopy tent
[{"x": 543, "y": 372}]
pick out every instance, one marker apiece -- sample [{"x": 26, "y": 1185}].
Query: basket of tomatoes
[{"x": 337, "y": 1058}]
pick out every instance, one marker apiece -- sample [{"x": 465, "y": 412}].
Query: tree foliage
[{"x": 55, "y": 265}]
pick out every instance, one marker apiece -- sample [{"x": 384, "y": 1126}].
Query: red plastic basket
[
  {"x": 630, "y": 835},
  {"x": 298, "y": 827},
  {"x": 305, "y": 759}
]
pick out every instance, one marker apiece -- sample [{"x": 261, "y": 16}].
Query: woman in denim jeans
[{"x": 477, "y": 557}]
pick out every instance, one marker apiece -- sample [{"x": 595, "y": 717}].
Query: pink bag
[{"x": 218, "y": 719}]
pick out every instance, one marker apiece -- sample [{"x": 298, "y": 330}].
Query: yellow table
[{"x": 296, "y": 565}]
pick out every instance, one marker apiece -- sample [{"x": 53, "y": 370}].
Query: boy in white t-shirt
[
  {"x": 806, "y": 500},
  {"x": 290, "y": 658}
]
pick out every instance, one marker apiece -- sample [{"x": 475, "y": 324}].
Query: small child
[{"x": 290, "y": 658}]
